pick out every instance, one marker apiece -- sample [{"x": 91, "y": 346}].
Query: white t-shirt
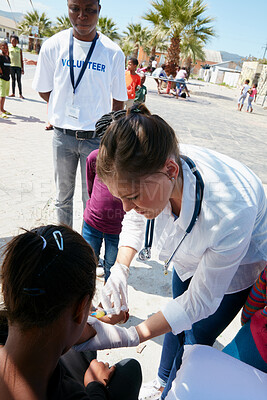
[
  {"x": 159, "y": 72},
  {"x": 104, "y": 79},
  {"x": 224, "y": 251},
  {"x": 154, "y": 64},
  {"x": 182, "y": 74},
  {"x": 245, "y": 89}
]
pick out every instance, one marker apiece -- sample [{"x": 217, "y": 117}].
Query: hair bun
[{"x": 138, "y": 108}]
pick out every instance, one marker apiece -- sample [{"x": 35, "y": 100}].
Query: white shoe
[
  {"x": 100, "y": 271},
  {"x": 150, "y": 391}
]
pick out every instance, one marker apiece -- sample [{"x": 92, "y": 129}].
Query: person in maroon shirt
[
  {"x": 103, "y": 216},
  {"x": 104, "y": 213}
]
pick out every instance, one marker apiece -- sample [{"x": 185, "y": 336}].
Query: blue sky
[{"x": 240, "y": 24}]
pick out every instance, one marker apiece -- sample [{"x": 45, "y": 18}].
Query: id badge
[{"x": 73, "y": 112}]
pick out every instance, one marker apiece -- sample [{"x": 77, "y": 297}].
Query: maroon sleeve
[{"x": 91, "y": 170}]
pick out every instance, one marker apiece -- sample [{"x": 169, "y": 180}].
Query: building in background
[{"x": 8, "y": 27}]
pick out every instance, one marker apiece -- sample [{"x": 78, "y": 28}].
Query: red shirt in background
[{"x": 131, "y": 82}]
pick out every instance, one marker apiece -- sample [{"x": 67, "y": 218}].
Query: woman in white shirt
[{"x": 210, "y": 224}]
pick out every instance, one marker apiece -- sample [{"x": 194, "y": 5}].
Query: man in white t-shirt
[
  {"x": 154, "y": 65},
  {"x": 79, "y": 87}
]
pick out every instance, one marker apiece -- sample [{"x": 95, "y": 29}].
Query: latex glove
[
  {"x": 115, "y": 290},
  {"x": 109, "y": 337}
]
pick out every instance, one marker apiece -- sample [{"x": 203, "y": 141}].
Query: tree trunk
[
  {"x": 173, "y": 56},
  {"x": 135, "y": 52},
  {"x": 153, "y": 52},
  {"x": 30, "y": 46},
  {"x": 187, "y": 65}
]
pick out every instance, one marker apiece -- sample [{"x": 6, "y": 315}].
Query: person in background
[
  {"x": 159, "y": 74},
  {"x": 180, "y": 78},
  {"x": 243, "y": 95},
  {"x": 141, "y": 91},
  {"x": 154, "y": 65},
  {"x": 4, "y": 78},
  {"x": 132, "y": 81},
  {"x": 104, "y": 213},
  {"x": 17, "y": 66},
  {"x": 78, "y": 94},
  {"x": 48, "y": 281},
  {"x": 250, "y": 343},
  {"x": 252, "y": 95}
]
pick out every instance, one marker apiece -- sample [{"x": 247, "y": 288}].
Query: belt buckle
[{"x": 77, "y": 135}]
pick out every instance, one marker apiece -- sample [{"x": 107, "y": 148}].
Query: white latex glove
[
  {"x": 109, "y": 337},
  {"x": 116, "y": 290}
]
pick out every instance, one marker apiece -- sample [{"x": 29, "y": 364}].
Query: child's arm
[
  {"x": 88, "y": 333},
  {"x": 90, "y": 172},
  {"x": 257, "y": 298}
]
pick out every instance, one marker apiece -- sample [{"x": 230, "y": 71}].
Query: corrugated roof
[
  {"x": 213, "y": 56},
  {"x": 7, "y": 23}
]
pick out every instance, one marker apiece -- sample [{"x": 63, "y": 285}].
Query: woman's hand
[
  {"x": 114, "y": 319},
  {"x": 99, "y": 372},
  {"x": 116, "y": 289}
]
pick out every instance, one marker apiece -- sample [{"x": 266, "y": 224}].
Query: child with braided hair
[{"x": 104, "y": 213}]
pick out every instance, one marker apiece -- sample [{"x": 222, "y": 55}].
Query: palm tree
[
  {"x": 62, "y": 23},
  {"x": 192, "y": 48},
  {"x": 174, "y": 17},
  {"x": 127, "y": 48},
  {"x": 154, "y": 42},
  {"x": 108, "y": 27},
  {"x": 137, "y": 35},
  {"x": 157, "y": 38},
  {"x": 37, "y": 20}
]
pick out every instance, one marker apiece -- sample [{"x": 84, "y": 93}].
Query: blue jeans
[
  {"x": 67, "y": 151},
  {"x": 242, "y": 98},
  {"x": 203, "y": 332},
  {"x": 243, "y": 348},
  {"x": 250, "y": 100},
  {"x": 180, "y": 85},
  {"x": 95, "y": 238}
]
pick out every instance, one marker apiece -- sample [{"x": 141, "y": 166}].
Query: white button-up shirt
[{"x": 226, "y": 249}]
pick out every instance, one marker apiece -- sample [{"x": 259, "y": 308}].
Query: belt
[{"x": 79, "y": 135}]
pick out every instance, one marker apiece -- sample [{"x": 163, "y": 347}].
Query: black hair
[
  {"x": 14, "y": 37},
  {"x": 104, "y": 122},
  {"x": 44, "y": 271},
  {"x": 134, "y": 60}
]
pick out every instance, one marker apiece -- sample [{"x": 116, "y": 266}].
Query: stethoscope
[{"x": 145, "y": 253}]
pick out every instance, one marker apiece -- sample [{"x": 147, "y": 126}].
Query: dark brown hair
[
  {"x": 136, "y": 145},
  {"x": 39, "y": 281}
]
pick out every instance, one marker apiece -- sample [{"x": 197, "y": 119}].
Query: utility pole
[{"x": 265, "y": 49}]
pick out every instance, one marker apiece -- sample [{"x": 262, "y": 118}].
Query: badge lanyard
[
  {"x": 145, "y": 253},
  {"x": 89, "y": 54}
]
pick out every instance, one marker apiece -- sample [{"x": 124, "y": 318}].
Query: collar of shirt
[{"x": 168, "y": 230}]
